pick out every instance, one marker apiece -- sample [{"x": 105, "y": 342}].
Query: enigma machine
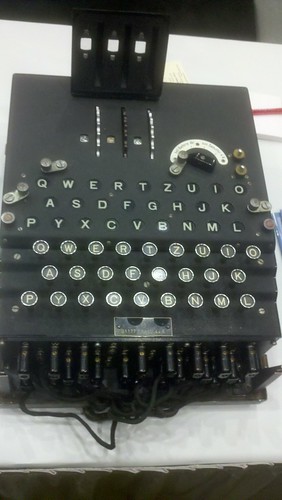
[{"x": 137, "y": 267}]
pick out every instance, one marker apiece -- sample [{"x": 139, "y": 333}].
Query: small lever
[
  {"x": 257, "y": 206},
  {"x": 181, "y": 160},
  {"x": 21, "y": 192},
  {"x": 50, "y": 167}
]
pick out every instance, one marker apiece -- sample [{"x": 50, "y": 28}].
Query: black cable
[
  {"x": 140, "y": 418},
  {"x": 158, "y": 401},
  {"x": 33, "y": 413},
  {"x": 125, "y": 411}
]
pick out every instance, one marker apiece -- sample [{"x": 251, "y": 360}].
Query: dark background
[
  {"x": 255, "y": 20},
  {"x": 258, "y": 482}
]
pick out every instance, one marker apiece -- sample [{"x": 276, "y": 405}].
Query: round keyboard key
[
  {"x": 49, "y": 272},
  {"x": 123, "y": 248},
  {"x": 29, "y": 298},
  {"x": 114, "y": 299},
  {"x": 221, "y": 301},
  {"x": 85, "y": 299},
  {"x": 141, "y": 299},
  {"x": 228, "y": 251},
  {"x": 202, "y": 250},
  {"x": 77, "y": 273},
  {"x": 168, "y": 299},
  {"x": 253, "y": 252},
  {"x": 40, "y": 247},
  {"x": 132, "y": 273},
  {"x": 58, "y": 299},
  {"x": 195, "y": 300},
  {"x": 149, "y": 249},
  {"x": 211, "y": 275},
  {"x": 176, "y": 249},
  {"x": 105, "y": 273},
  {"x": 247, "y": 300},
  {"x": 95, "y": 247},
  {"x": 68, "y": 247},
  {"x": 238, "y": 275},
  {"x": 159, "y": 274},
  {"x": 185, "y": 274}
]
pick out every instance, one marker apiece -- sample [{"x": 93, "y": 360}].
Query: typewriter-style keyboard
[{"x": 168, "y": 285}]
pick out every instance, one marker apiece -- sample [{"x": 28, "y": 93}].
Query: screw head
[
  {"x": 241, "y": 170},
  {"x": 183, "y": 155},
  {"x": 266, "y": 205},
  {"x": 45, "y": 164},
  {"x": 22, "y": 187},
  {"x": 8, "y": 217},
  {"x": 9, "y": 197},
  {"x": 239, "y": 153},
  {"x": 269, "y": 224},
  {"x": 60, "y": 164},
  {"x": 254, "y": 203}
]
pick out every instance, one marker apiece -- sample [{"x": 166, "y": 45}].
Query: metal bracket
[
  {"x": 118, "y": 54},
  {"x": 266, "y": 376}
]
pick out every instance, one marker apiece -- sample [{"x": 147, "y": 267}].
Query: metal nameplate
[{"x": 142, "y": 327}]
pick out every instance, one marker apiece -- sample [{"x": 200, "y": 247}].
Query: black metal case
[{"x": 152, "y": 217}]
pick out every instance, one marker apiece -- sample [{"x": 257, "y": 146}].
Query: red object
[{"x": 268, "y": 111}]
